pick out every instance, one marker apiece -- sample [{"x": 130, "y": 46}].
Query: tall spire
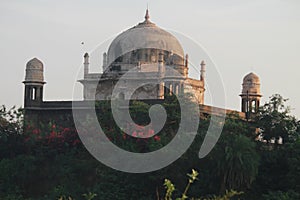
[
  {"x": 147, "y": 15},
  {"x": 147, "y": 21}
]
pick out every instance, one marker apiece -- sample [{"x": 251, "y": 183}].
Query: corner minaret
[
  {"x": 86, "y": 64},
  {"x": 104, "y": 65},
  {"x": 202, "y": 70},
  {"x": 34, "y": 83},
  {"x": 161, "y": 71},
  {"x": 186, "y": 66},
  {"x": 250, "y": 94}
]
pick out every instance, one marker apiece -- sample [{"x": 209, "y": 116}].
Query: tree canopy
[{"x": 276, "y": 122}]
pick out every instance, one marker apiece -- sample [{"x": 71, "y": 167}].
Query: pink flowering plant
[
  {"x": 51, "y": 135},
  {"x": 137, "y": 138}
]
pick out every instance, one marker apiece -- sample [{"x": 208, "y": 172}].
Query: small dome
[
  {"x": 251, "y": 84},
  {"x": 34, "y": 71},
  {"x": 144, "y": 35},
  {"x": 251, "y": 77},
  {"x": 34, "y": 63}
]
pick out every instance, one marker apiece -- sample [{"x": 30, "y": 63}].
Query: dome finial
[{"x": 147, "y": 14}]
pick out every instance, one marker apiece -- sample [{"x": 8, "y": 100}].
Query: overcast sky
[{"x": 240, "y": 36}]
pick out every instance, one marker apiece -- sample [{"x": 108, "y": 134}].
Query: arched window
[
  {"x": 171, "y": 89},
  {"x": 33, "y": 93},
  {"x": 253, "y": 106},
  {"x": 176, "y": 89},
  {"x": 153, "y": 57}
]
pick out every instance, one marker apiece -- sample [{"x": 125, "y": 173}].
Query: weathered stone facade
[{"x": 149, "y": 51}]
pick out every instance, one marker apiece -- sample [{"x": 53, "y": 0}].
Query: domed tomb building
[
  {"x": 144, "y": 53},
  {"x": 142, "y": 59}
]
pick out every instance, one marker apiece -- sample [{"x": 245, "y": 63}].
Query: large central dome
[{"x": 143, "y": 36}]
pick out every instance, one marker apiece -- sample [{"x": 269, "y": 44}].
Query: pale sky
[{"x": 262, "y": 36}]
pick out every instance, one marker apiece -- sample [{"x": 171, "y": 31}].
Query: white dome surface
[
  {"x": 144, "y": 35},
  {"x": 251, "y": 84},
  {"x": 34, "y": 63},
  {"x": 251, "y": 77},
  {"x": 34, "y": 70}
]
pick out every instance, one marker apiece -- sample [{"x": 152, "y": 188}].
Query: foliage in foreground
[
  {"x": 51, "y": 162},
  {"x": 169, "y": 186}
]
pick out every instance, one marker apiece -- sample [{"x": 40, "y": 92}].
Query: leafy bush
[
  {"x": 279, "y": 195},
  {"x": 49, "y": 161}
]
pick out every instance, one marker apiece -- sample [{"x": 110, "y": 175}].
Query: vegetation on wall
[{"x": 261, "y": 158}]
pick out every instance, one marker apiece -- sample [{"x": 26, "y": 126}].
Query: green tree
[
  {"x": 275, "y": 121},
  {"x": 11, "y": 121},
  {"x": 292, "y": 153},
  {"x": 279, "y": 195},
  {"x": 234, "y": 160}
]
